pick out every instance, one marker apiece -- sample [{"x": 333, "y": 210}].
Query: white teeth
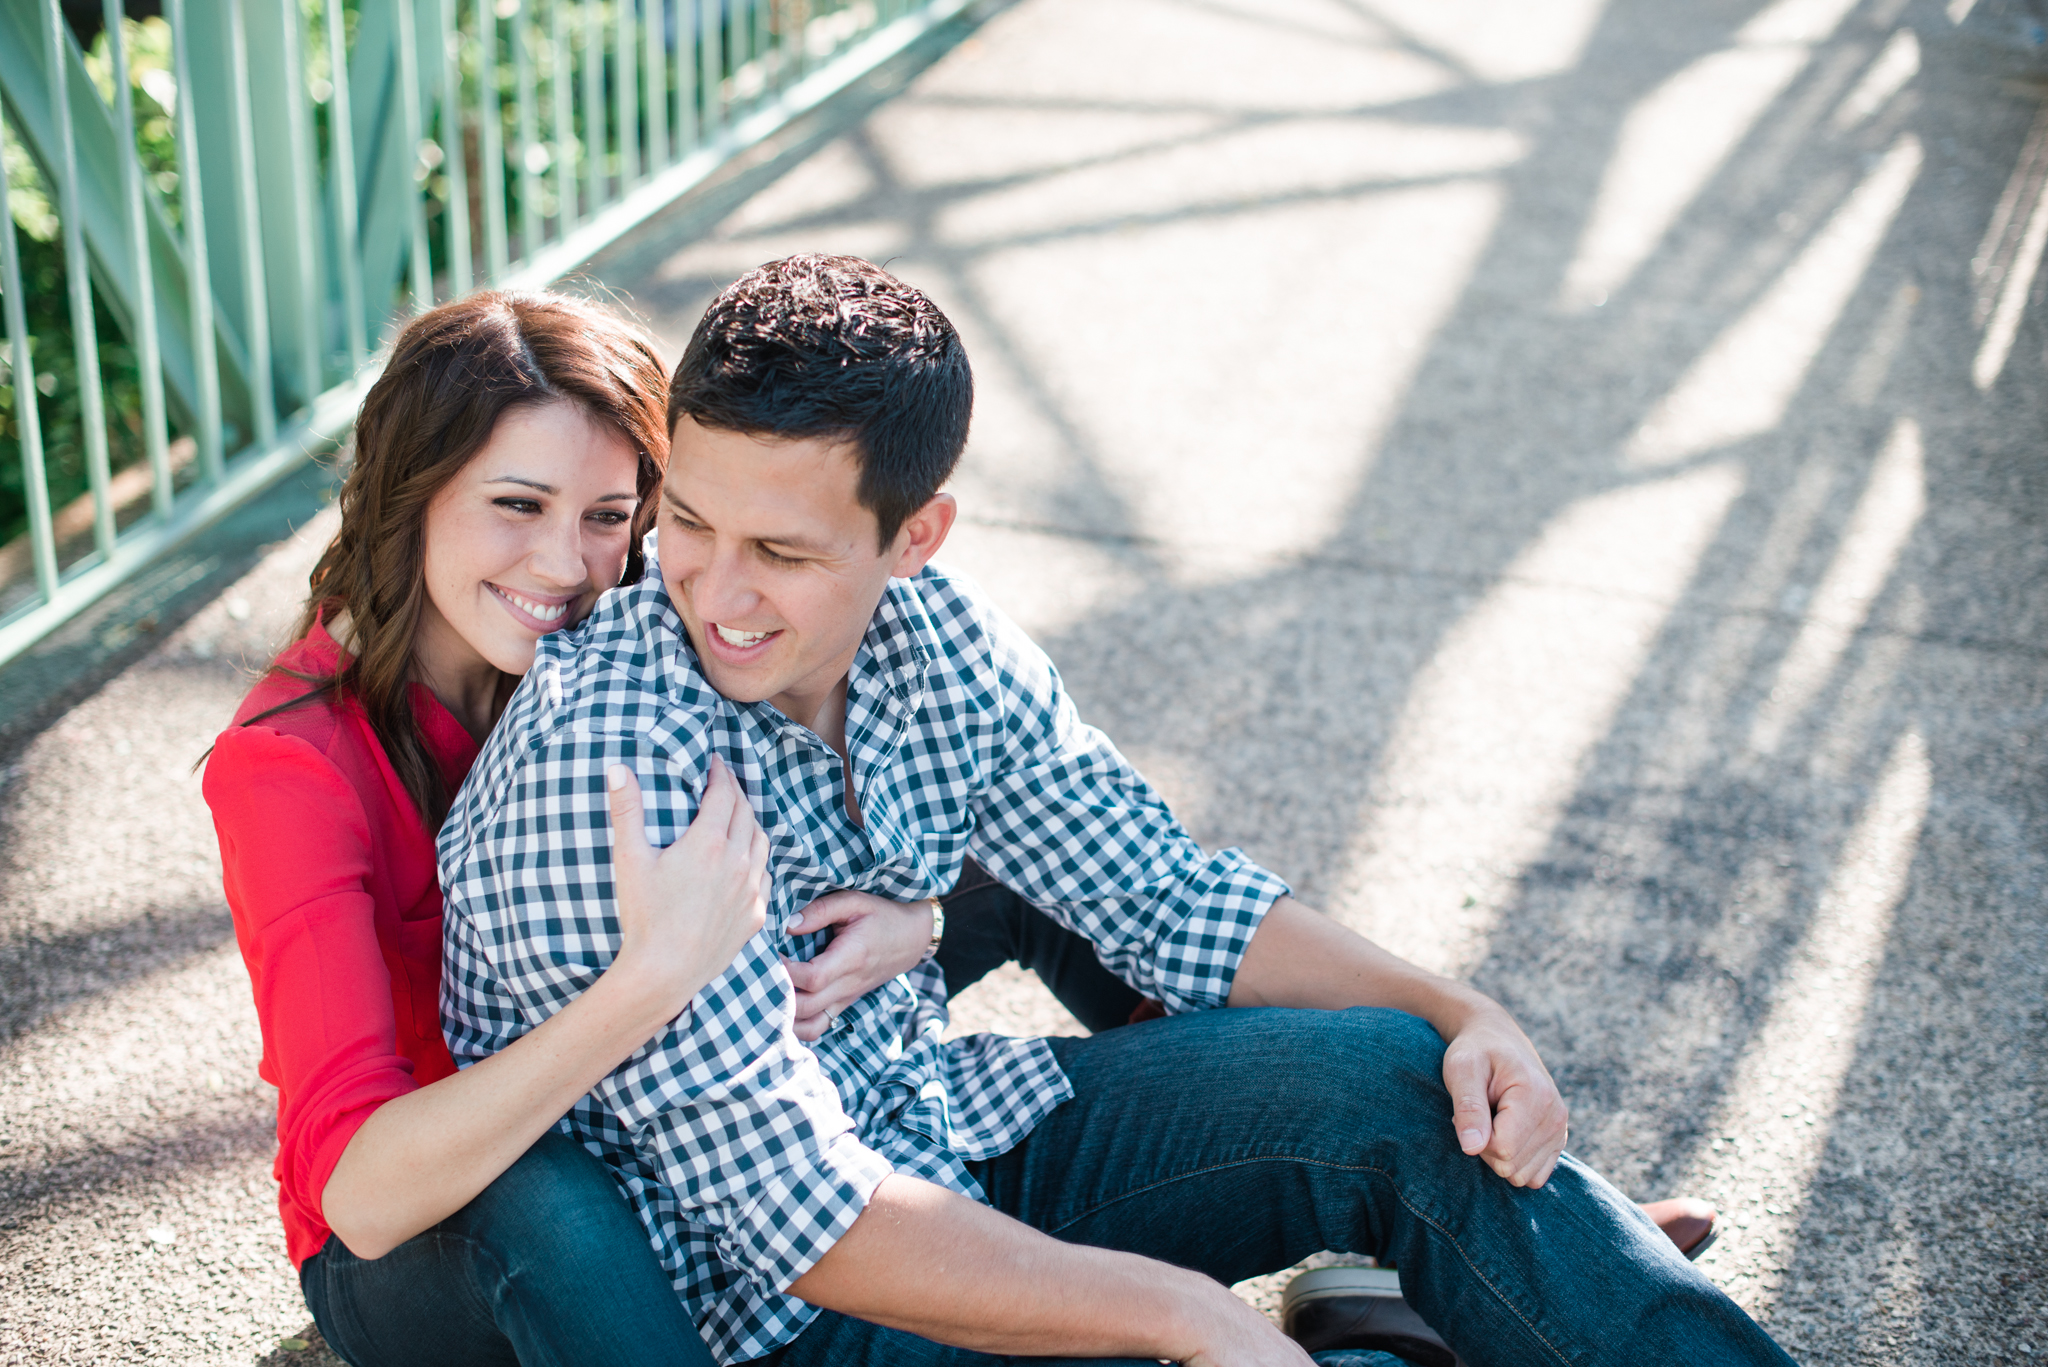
[
  {"x": 545, "y": 612},
  {"x": 741, "y": 638}
]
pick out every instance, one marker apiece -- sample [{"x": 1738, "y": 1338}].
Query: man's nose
[{"x": 721, "y": 590}]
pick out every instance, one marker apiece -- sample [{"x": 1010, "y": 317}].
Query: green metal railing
[{"x": 195, "y": 284}]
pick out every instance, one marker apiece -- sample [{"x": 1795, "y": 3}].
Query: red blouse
[{"x": 330, "y": 874}]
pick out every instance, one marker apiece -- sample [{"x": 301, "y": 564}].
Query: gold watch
[{"x": 938, "y": 929}]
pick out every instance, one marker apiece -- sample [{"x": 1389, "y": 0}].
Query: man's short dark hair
[{"x": 834, "y": 346}]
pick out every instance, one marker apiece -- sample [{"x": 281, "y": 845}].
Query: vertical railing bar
[
  {"x": 595, "y": 142},
  {"x": 35, "y": 487},
  {"x": 560, "y": 88},
  {"x": 626, "y": 90},
  {"x": 710, "y": 64},
  {"x": 491, "y": 139},
  {"x": 654, "y": 55},
  {"x": 306, "y": 281},
  {"x": 735, "y": 51},
  {"x": 686, "y": 76},
  {"x": 147, "y": 354},
  {"x": 422, "y": 262},
  {"x": 454, "y": 152},
  {"x": 198, "y": 272},
  {"x": 525, "y": 75},
  {"x": 341, "y": 156},
  {"x": 255, "y": 288},
  {"x": 78, "y": 283}
]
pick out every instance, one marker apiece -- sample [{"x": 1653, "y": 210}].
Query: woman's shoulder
[{"x": 292, "y": 692}]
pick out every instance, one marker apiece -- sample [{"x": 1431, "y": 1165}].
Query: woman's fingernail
[{"x": 615, "y": 778}]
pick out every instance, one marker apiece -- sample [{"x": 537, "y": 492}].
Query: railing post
[
  {"x": 421, "y": 261},
  {"x": 255, "y": 288},
  {"x": 686, "y": 76},
  {"x": 147, "y": 356},
  {"x": 525, "y": 75},
  {"x": 595, "y": 144},
  {"x": 198, "y": 273},
  {"x": 35, "y": 487},
  {"x": 454, "y": 154},
  {"x": 711, "y": 63},
  {"x": 341, "y": 160},
  {"x": 655, "y": 62},
  {"x": 626, "y": 91},
  {"x": 78, "y": 284},
  {"x": 490, "y": 139},
  {"x": 560, "y": 87}
]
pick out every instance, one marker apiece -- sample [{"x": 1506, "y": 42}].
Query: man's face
[{"x": 773, "y": 562}]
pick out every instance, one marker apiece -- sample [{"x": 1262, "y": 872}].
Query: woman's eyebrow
[{"x": 526, "y": 483}]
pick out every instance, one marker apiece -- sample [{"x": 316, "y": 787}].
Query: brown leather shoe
[{"x": 1690, "y": 1223}]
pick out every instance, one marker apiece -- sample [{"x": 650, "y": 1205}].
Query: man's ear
[{"x": 923, "y": 532}]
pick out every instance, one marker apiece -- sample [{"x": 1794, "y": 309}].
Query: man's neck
[{"x": 824, "y": 713}]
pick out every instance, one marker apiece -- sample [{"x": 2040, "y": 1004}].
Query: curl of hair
[{"x": 453, "y": 373}]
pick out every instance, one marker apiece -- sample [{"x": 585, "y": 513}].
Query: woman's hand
[
  {"x": 876, "y": 940},
  {"x": 685, "y": 911}
]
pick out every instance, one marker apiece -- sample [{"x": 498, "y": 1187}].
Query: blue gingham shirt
[{"x": 746, "y": 1152}]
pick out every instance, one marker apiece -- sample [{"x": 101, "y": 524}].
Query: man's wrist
[{"x": 931, "y": 950}]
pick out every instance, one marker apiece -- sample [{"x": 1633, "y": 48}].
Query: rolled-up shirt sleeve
[
  {"x": 725, "y": 1106},
  {"x": 1065, "y": 820}
]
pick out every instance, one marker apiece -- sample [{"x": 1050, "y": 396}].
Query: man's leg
[
  {"x": 1240, "y": 1141},
  {"x": 987, "y": 926}
]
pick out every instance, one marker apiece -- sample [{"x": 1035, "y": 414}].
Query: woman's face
[{"x": 522, "y": 541}]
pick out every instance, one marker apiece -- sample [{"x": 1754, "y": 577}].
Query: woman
[{"x": 506, "y": 466}]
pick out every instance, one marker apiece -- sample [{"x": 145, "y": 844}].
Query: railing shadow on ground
[{"x": 1767, "y": 859}]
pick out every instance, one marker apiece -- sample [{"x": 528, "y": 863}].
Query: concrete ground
[{"x": 1561, "y": 481}]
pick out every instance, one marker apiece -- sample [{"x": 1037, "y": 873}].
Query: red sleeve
[{"x": 296, "y": 853}]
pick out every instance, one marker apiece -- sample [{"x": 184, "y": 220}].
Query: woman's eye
[
  {"x": 518, "y": 505},
  {"x": 610, "y": 517}
]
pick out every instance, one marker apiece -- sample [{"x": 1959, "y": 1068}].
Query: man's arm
[
  {"x": 925, "y": 1260},
  {"x": 1505, "y": 1107}
]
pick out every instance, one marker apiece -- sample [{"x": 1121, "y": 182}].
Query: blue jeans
[
  {"x": 547, "y": 1267},
  {"x": 1240, "y": 1141}
]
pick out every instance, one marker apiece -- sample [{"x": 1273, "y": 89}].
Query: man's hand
[
  {"x": 1504, "y": 1105},
  {"x": 876, "y": 940},
  {"x": 1507, "y": 1109}
]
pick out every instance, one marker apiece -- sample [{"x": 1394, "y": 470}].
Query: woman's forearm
[{"x": 423, "y": 1156}]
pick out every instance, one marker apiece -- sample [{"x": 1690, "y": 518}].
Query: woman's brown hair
[{"x": 453, "y": 373}]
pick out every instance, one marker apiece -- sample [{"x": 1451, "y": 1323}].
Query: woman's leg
[
  {"x": 548, "y": 1267},
  {"x": 987, "y": 926}
]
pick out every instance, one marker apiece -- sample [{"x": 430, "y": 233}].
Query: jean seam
[{"x": 1399, "y": 1195}]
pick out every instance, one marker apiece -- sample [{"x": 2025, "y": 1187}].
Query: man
[{"x": 881, "y": 1194}]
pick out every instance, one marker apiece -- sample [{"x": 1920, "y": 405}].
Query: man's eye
[
  {"x": 518, "y": 505},
  {"x": 772, "y": 558}
]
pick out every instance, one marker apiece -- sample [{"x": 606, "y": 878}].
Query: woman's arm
[{"x": 685, "y": 912}]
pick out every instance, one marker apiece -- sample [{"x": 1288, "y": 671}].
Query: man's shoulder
[
  {"x": 626, "y": 668},
  {"x": 624, "y": 674},
  {"x": 960, "y": 621}
]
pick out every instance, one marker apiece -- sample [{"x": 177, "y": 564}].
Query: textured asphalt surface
[{"x": 1563, "y": 482}]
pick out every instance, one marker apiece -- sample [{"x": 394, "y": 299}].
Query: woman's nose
[{"x": 557, "y": 557}]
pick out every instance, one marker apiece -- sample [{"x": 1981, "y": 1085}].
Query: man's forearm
[
  {"x": 938, "y": 1265},
  {"x": 1299, "y": 957}
]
